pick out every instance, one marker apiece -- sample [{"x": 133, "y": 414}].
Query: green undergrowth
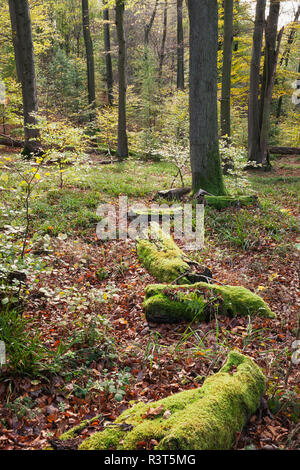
[{"x": 246, "y": 228}]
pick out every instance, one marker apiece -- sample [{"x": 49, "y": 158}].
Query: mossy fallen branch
[
  {"x": 174, "y": 304},
  {"x": 222, "y": 202},
  {"x": 206, "y": 418},
  {"x": 154, "y": 212},
  {"x": 76, "y": 430},
  {"x": 163, "y": 258}
]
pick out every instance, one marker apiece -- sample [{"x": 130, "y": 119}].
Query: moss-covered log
[
  {"x": 222, "y": 202},
  {"x": 174, "y": 304},
  {"x": 163, "y": 258},
  {"x": 157, "y": 212},
  {"x": 206, "y": 418}
]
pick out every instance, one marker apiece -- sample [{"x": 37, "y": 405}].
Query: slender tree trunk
[
  {"x": 204, "y": 145},
  {"x": 285, "y": 58},
  {"x": 180, "y": 47},
  {"x": 108, "y": 61},
  {"x": 226, "y": 74},
  {"x": 24, "y": 56},
  {"x": 148, "y": 26},
  {"x": 89, "y": 52},
  {"x": 122, "y": 151},
  {"x": 163, "y": 41},
  {"x": 254, "y": 153},
  {"x": 271, "y": 59},
  {"x": 286, "y": 54}
]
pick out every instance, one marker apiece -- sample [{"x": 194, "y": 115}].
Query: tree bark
[
  {"x": 122, "y": 150},
  {"x": 163, "y": 41},
  {"x": 180, "y": 47},
  {"x": 226, "y": 74},
  {"x": 25, "y": 64},
  {"x": 15, "y": 40},
  {"x": 108, "y": 61},
  {"x": 89, "y": 52},
  {"x": 204, "y": 145},
  {"x": 254, "y": 153}
]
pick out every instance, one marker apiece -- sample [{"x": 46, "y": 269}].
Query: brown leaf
[
  {"x": 153, "y": 412},
  {"x": 167, "y": 414}
]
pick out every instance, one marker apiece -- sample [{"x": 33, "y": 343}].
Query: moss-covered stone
[
  {"x": 221, "y": 202},
  {"x": 173, "y": 304},
  {"x": 162, "y": 257},
  {"x": 206, "y": 418}
]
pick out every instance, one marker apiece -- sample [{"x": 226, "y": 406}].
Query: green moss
[
  {"x": 210, "y": 176},
  {"x": 162, "y": 257},
  {"x": 206, "y": 418},
  {"x": 172, "y": 304},
  {"x": 73, "y": 432},
  {"x": 221, "y": 202}
]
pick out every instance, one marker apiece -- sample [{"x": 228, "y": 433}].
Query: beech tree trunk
[
  {"x": 286, "y": 56},
  {"x": 89, "y": 52},
  {"x": 226, "y": 74},
  {"x": 260, "y": 106},
  {"x": 271, "y": 59},
  {"x": 163, "y": 41},
  {"x": 122, "y": 150},
  {"x": 15, "y": 40},
  {"x": 204, "y": 145},
  {"x": 254, "y": 153},
  {"x": 180, "y": 47},
  {"x": 108, "y": 61},
  {"x": 25, "y": 64}
]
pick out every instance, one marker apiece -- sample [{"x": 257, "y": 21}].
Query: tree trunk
[
  {"x": 148, "y": 27},
  {"x": 226, "y": 74},
  {"x": 271, "y": 58},
  {"x": 285, "y": 58},
  {"x": 254, "y": 153},
  {"x": 286, "y": 54},
  {"x": 180, "y": 47},
  {"x": 108, "y": 61},
  {"x": 122, "y": 150},
  {"x": 204, "y": 145},
  {"x": 89, "y": 52},
  {"x": 163, "y": 41},
  {"x": 15, "y": 40},
  {"x": 24, "y": 56}
]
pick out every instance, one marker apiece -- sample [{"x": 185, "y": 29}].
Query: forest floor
[{"x": 96, "y": 352}]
